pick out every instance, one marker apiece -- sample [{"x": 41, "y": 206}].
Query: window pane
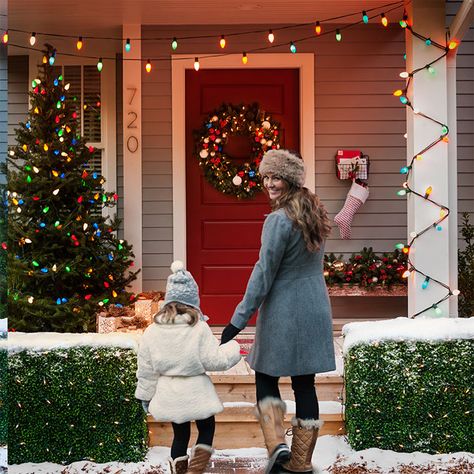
[{"x": 92, "y": 104}]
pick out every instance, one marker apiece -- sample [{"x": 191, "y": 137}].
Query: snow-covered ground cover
[{"x": 332, "y": 456}]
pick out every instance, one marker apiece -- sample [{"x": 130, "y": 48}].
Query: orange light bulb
[
  {"x": 222, "y": 42},
  {"x": 453, "y": 44},
  {"x": 318, "y": 28},
  {"x": 79, "y": 43},
  {"x": 398, "y": 93}
]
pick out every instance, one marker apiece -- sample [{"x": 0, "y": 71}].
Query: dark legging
[
  {"x": 303, "y": 386},
  {"x": 182, "y": 434}
]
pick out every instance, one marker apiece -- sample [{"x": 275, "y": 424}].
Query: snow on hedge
[
  {"x": 403, "y": 329},
  {"x": 47, "y": 341}
]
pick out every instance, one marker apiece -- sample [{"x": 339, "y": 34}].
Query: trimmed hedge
[
  {"x": 74, "y": 404},
  {"x": 410, "y": 396},
  {"x": 3, "y": 396}
]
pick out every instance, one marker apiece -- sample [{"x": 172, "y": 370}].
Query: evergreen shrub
[
  {"x": 74, "y": 404},
  {"x": 410, "y": 396}
]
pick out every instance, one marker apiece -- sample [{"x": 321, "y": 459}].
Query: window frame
[{"x": 108, "y": 143}]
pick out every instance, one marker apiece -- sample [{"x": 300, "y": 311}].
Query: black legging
[
  {"x": 303, "y": 386},
  {"x": 182, "y": 434}
]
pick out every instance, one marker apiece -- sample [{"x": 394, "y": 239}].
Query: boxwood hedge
[{"x": 410, "y": 396}]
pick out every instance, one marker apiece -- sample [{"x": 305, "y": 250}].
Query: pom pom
[{"x": 177, "y": 265}]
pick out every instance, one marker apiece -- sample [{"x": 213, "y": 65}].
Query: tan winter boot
[
  {"x": 179, "y": 465},
  {"x": 305, "y": 433},
  {"x": 200, "y": 456},
  {"x": 270, "y": 414}
]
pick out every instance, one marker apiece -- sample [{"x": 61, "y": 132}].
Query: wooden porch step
[
  {"x": 237, "y": 427},
  {"x": 241, "y": 388}
]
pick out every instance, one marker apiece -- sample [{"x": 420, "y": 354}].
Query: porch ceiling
[{"x": 105, "y": 16}]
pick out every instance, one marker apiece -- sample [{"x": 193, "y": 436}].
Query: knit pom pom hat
[
  {"x": 181, "y": 287},
  {"x": 284, "y": 164}
]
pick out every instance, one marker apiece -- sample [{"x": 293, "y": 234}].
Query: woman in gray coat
[{"x": 293, "y": 336}]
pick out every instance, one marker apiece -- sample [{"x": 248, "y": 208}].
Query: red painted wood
[{"x": 222, "y": 232}]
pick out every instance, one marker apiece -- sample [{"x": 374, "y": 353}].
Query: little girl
[{"x": 174, "y": 354}]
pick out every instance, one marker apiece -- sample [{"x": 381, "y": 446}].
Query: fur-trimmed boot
[
  {"x": 271, "y": 414},
  {"x": 200, "y": 455},
  {"x": 179, "y": 465},
  {"x": 305, "y": 433}
]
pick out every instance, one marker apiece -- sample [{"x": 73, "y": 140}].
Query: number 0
[{"x": 132, "y": 144}]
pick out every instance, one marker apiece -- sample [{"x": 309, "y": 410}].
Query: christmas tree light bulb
[
  {"x": 384, "y": 20},
  {"x": 244, "y": 58},
  {"x": 413, "y": 234},
  {"x": 196, "y": 64},
  {"x": 428, "y": 41},
  {"x": 428, "y": 191},
  {"x": 419, "y": 157},
  {"x": 424, "y": 285},
  {"x": 453, "y": 44},
  {"x": 404, "y": 170},
  {"x": 431, "y": 69},
  {"x": 100, "y": 65},
  {"x": 406, "y": 274},
  {"x": 438, "y": 310},
  {"x": 456, "y": 292},
  {"x": 338, "y": 35},
  {"x": 5, "y": 37},
  {"x": 148, "y": 66},
  {"x": 398, "y": 93},
  {"x": 403, "y": 99},
  {"x": 292, "y": 47},
  {"x": 79, "y": 43},
  {"x": 318, "y": 28},
  {"x": 271, "y": 36},
  {"x": 222, "y": 42},
  {"x": 174, "y": 44},
  {"x": 404, "y": 75},
  {"x": 128, "y": 46},
  {"x": 399, "y": 246},
  {"x": 401, "y": 192},
  {"x": 33, "y": 39},
  {"x": 365, "y": 17}
]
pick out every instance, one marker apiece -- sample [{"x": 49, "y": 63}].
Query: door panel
[{"x": 223, "y": 232}]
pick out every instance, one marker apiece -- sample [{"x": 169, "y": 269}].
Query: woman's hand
[{"x": 229, "y": 332}]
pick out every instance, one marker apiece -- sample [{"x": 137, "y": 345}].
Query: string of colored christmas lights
[
  {"x": 170, "y": 39},
  {"x": 444, "y": 210},
  {"x": 174, "y": 41}
]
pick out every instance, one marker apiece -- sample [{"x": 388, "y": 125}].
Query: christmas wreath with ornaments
[{"x": 241, "y": 180}]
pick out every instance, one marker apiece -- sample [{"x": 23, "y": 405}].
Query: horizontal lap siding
[
  {"x": 465, "y": 118},
  {"x": 17, "y": 94},
  {"x": 354, "y": 108},
  {"x": 119, "y": 118}
]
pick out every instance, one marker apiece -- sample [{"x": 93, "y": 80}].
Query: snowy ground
[{"x": 332, "y": 456}]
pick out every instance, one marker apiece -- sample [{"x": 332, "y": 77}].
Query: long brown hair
[
  {"x": 307, "y": 213},
  {"x": 168, "y": 313}
]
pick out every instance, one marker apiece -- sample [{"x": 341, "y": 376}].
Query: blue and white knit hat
[{"x": 181, "y": 286}]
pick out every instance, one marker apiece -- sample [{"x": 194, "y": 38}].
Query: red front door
[{"x": 223, "y": 232}]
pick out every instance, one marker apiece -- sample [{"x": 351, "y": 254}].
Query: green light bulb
[
  {"x": 174, "y": 44},
  {"x": 292, "y": 47}
]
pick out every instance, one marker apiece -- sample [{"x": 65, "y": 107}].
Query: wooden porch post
[
  {"x": 132, "y": 148},
  {"x": 428, "y": 93}
]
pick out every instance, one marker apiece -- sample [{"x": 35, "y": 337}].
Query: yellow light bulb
[
  {"x": 222, "y": 42},
  {"x": 398, "y": 93},
  {"x": 79, "y": 43},
  {"x": 148, "y": 66},
  {"x": 244, "y": 58}
]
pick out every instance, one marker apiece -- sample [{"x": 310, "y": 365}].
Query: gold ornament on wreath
[{"x": 219, "y": 169}]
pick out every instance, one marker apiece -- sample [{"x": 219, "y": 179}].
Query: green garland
[{"x": 242, "y": 181}]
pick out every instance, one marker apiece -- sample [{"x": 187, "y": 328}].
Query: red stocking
[{"x": 356, "y": 196}]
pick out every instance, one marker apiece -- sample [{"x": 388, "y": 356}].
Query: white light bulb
[
  {"x": 456, "y": 292},
  {"x": 413, "y": 234}
]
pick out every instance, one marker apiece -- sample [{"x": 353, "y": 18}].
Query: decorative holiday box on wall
[{"x": 409, "y": 384}]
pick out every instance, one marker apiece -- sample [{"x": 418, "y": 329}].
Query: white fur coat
[{"x": 172, "y": 364}]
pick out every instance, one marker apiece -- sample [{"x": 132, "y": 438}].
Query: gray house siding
[
  {"x": 354, "y": 109},
  {"x": 465, "y": 117}
]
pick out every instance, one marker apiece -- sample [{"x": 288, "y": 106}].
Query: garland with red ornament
[{"x": 241, "y": 180}]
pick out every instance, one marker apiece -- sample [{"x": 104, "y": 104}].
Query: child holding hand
[{"x": 174, "y": 354}]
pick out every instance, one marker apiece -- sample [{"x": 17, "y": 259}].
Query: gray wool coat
[{"x": 294, "y": 327}]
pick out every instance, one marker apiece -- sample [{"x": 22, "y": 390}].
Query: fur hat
[
  {"x": 284, "y": 164},
  {"x": 181, "y": 286}
]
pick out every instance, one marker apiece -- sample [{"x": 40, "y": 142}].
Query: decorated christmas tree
[{"x": 65, "y": 262}]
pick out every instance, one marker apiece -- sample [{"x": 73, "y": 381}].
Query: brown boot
[
  {"x": 271, "y": 414},
  {"x": 305, "y": 433},
  {"x": 179, "y": 465},
  {"x": 200, "y": 456}
]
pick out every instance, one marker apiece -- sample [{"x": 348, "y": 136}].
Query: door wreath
[{"x": 242, "y": 181}]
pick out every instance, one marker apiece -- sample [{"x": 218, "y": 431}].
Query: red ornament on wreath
[{"x": 243, "y": 180}]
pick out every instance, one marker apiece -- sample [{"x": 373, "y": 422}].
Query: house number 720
[{"x": 132, "y": 140}]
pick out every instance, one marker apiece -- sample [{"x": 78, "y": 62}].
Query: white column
[
  {"x": 427, "y": 93},
  {"x": 132, "y": 148}
]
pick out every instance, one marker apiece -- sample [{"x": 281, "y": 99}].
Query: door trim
[{"x": 304, "y": 62}]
